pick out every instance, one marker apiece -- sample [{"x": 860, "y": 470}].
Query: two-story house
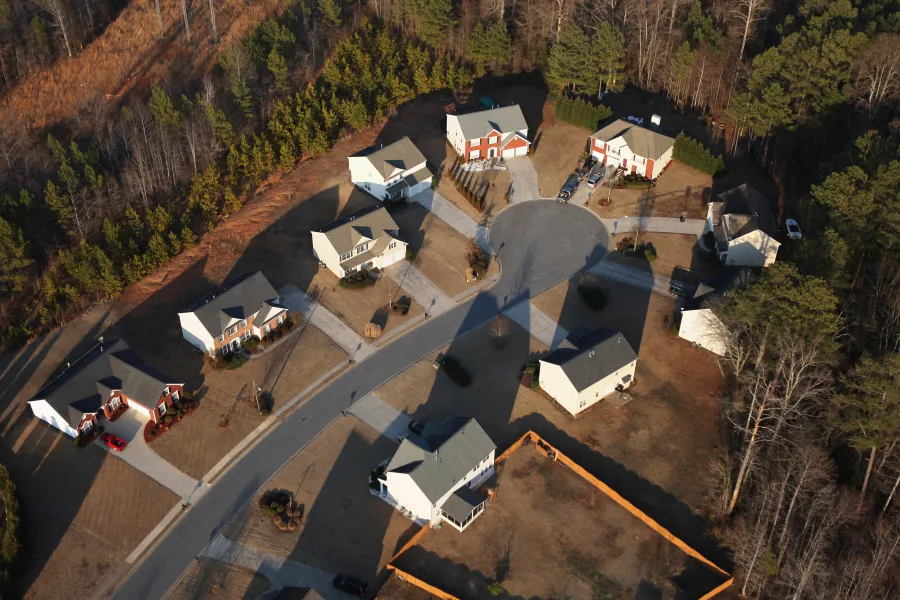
[
  {"x": 366, "y": 239},
  {"x": 492, "y": 133},
  {"x": 244, "y": 307},
  {"x": 94, "y": 386},
  {"x": 634, "y": 148},
  {"x": 699, "y": 323},
  {"x": 435, "y": 476},
  {"x": 390, "y": 172},
  {"x": 744, "y": 228}
]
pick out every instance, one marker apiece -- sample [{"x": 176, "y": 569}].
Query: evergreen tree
[
  {"x": 490, "y": 46},
  {"x": 277, "y": 66},
  {"x": 609, "y": 53},
  {"x": 571, "y": 61},
  {"x": 433, "y": 18},
  {"x": 163, "y": 109},
  {"x": 331, "y": 12},
  {"x": 14, "y": 258}
]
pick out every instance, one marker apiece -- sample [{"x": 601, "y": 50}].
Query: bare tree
[
  {"x": 499, "y": 328},
  {"x": 57, "y": 11},
  {"x": 187, "y": 26},
  {"x": 878, "y": 78},
  {"x": 212, "y": 20},
  {"x": 159, "y": 17}
]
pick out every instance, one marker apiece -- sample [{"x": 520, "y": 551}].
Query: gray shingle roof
[
  {"x": 237, "y": 298},
  {"x": 401, "y": 155},
  {"x": 371, "y": 223},
  {"x": 591, "y": 358},
  {"x": 444, "y": 453},
  {"x": 462, "y": 502},
  {"x": 643, "y": 142},
  {"x": 85, "y": 385},
  {"x": 744, "y": 209},
  {"x": 480, "y": 123}
]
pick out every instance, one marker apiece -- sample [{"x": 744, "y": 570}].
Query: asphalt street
[{"x": 539, "y": 244}]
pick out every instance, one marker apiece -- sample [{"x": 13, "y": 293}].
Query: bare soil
[
  {"x": 211, "y": 579},
  {"x": 680, "y": 189},
  {"x": 547, "y": 533},
  {"x": 397, "y": 589},
  {"x": 559, "y": 148},
  {"x": 344, "y": 528},
  {"x": 197, "y": 443},
  {"x": 674, "y": 251}
]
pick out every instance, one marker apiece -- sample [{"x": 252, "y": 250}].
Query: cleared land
[
  {"x": 197, "y": 443},
  {"x": 344, "y": 529},
  {"x": 213, "y": 579},
  {"x": 548, "y": 533},
  {"x": 672, "y": 251},
  {"x": 679, "y": 189},
  {"x": 560, "y": 146}
]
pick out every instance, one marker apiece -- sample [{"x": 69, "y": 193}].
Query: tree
[
  {"x": 490, "y": 45},
  {"x": 571, "y": 64},
  {"x": 499, "y": 328},
  {"x": 878, "y": 73},
  {"x": 608, "y": 46},
  {"x": 212, "y": 21},
  {"x": 14, "y": 258},
  {"x": 331, "y": 12},
  {"x": 433, "y": 19},
  {"x": 58, "y": 14},
  {"x": 237, "y": 64}
]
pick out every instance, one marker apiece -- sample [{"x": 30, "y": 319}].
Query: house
[
  {"x": 744, "y": 228},
  {"x": 434, "y": 476},
  {"x": 244, "y": 307},
  {"x": 634, "y": 148},
  {"x": 699, "y": 323},
  {"x": 491, "y": 133},
  {"x": 94, "y": 386},
  {"x": 580, "y": 374},
  {"x": 365, "y": 239},
  {"x": 390, "y": 172}
]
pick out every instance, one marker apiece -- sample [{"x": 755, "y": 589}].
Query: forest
[{"x": 805, "y": 492}]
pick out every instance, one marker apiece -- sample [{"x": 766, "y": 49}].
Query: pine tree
[
  {"x": 14, "y": 258},
  {"x": 490, "y": 46},
  {"x": 571, "y": 62},
  {"x": 433, "y": 18},
  {"x": 277, "y": 66},
  {"x": 331, "y": 12},
  {"x": 609, "y": 53}
]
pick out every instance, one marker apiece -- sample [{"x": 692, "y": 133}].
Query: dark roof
[
  {"x": 590, "y": 358},
  {"x": 720, "y": 284},
  {"x": 444, "y": 453},
  {"x": 85, "y": 385},
  {"x": 745, "y": 209},
  {"x": 462, "y": 502},
  {"x": 351, "y": 217},
  {"x": 237, "y": 298}
]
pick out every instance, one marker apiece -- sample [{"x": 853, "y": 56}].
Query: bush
[
  {"x": 168, "y": 419},
  {"x": 265, "y": 412},
  {"x": 580, "y": 112},
  {"x": 674, "y": 327},
  {"x": 251, "y": 343},
  {"x": 535, "y": 384},
  {"x": 693, "y": 154},
  {"x": 410, "y": 254},
  {"x": 269, "y": 511},
  {"x": 357, "y": 279},
  {"x": 496, "y": 589},
  {"x": 593, "y": 296},
  {"x": 650, "y": 253},
  {"x": 170, "y": 411},
  {"x": 235, "y": 361}
]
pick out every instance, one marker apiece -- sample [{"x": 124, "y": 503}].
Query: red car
[{"x": 114, "y": 442}]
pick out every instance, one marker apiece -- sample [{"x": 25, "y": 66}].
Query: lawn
[
  {"x": 672, "y": 250},
  {"x": 680, "y": 189},
  {"x": 209, "y": 579}
]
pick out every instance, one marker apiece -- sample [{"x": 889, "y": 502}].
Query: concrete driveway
[
  {"x": 130, "y": 427},
  {"x": 524, "y": 179},
  {"x": 381, "y": 416}
]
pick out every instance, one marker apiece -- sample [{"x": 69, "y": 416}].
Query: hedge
[
  {"x": 356, "y": 280},
  {"x": 579, "y": 112},
  {"x": 12, "y": 547},
  {"x": 693, "y": 154},
  {"x": 235, "y": 361}
]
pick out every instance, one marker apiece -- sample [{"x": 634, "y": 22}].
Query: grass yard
[
  {"x": 494, "y": 181},
  {"x": 679, "y": 189},
  {"x": 673, "y": 251},
  {"x": 210, "y": 579},
  {"x": 344, "y": 528},
  {"x": 548, "y": 533},
  {"x": 197, "y": 443},
  {"x": 559, "y": 148}
]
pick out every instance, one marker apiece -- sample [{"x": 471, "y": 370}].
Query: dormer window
[
  {"x": 346, "y": 256},
  {"x": 362, "y": 248}
]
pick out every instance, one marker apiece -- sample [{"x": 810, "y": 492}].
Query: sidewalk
[
  {"x": 454, "y": 217},
  {"x": 422, "y": 289},
  {"x": 381, "y": 416},
  {"x": 656, "y": 225},
  {"x": 537, "y": 323},
  {"x": 524, "y": 179},
  {"x": 299, "y": 301}
]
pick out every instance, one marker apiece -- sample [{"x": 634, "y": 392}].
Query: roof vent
[{"x": 656, "y": 120}]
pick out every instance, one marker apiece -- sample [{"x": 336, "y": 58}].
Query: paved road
[{"x": 539, "y": 245}]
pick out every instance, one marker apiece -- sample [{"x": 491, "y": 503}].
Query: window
[
  {"x": 474, "y": 154},
  {"x": 267, "y": 327},
  {"x": 231, "y": 330},
  {"x": 166, "y": 391},
  {"x": 221, "y": 338},
  {"x": 392, "y": 245},
  {"x": 162, "y": 409},
  {"x": 581, "y": 403},
  {"x": 280, "y": 319},
  {"x": 362, "y": 248},
  {"x": 492, "y": 139},
  {"x": 366, "y": 185},
  {"x": 245, "y": 336},
  {"x": 175, "y": 397},
  {"x": 346, "y": 256}
]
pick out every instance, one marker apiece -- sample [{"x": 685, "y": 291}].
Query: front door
[
  {"x": 235, "y": 345},
  {"x": 492, "y": 153}
]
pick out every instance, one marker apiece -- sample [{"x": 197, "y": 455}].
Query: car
[
  {"x": 416, "y": 427},
  {"x": 351, "y": 585},
  {"x": 594, "y": 179},
  {"x": 793, "y": 229},
  {"x": 113, "y": 441},
  {"x": 563, "y": 196}
]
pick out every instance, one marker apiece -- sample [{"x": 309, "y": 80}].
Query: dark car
[
  {"x": 114, "y": 442},
  {"x": 351, "y": 585},
  {"x": 456, "y": 372},
  {"x": 563, "y": 196},
  {"x": 416, "y": 427}
]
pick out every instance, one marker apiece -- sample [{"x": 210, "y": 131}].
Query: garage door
[
  {"x": 522, "y": 151},
  {"x": 509, "y": 153},
  {"x": 141, "y": 409}
]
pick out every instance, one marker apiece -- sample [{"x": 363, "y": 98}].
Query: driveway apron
[
  {"x": 524, "y": 179},
  {"x": 537, "y": 323},
  {"x": 422, "y": 289}
]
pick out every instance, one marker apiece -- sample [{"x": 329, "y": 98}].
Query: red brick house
[
  {"x": 633, "y": 148},
  {"x": 492, "y": 133}
]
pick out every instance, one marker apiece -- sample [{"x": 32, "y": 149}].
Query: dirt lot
[
  {"x": 198, "y": 443},
  {"x": 558, "y": 149},
  {"x": 86, "y": 509},
  {"x": 344, "y": 528},
  {"x": 672, "y": 250},
  {"x": 210, "y": 579},
  {"x": 679, "y": 189},
  {"x": 548, "y": 533}
]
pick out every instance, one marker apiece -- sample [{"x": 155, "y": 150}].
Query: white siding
[
  {"x": 194, "y": 332},
  {"x": 455, "y": 135},
  {"x": 324, "y": 251},
  {"x": 43, "y": 411},
  {"x": 392, "y": 256},
  {"x": 660, "y": 164},
  {"x": 604, "y": 387},
  {"x": 478, "y": 475},
  {"x": 404, "y": 491},
  {"x": 756, "y": 249},
  {"x": 703, "y": 327},
  {"x": 555, "y": 382}
]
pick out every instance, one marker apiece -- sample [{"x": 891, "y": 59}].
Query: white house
[
  {"x": 490, "y": 133},
  {"x": 435, "y": 476},
  {"x": 94, "y": 387},
  {"x": 241, "y": 308},
  {"x": 633, "y": 148},
  {"x": 699, "y": 323},
  {"x": 390, "y": 172},
  {"x": 580, "y": 374},
  {"x": 744, "y": 228},
  {"x": 365, "y": 239}
]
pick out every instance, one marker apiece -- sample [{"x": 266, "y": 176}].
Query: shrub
[
  {"x": 580, "y": 112},
  {"x": 693, "y": 154},
  {"x": 357, "y": 279},
  {"x": 170, "y": 410},
  {"x": 650, "y": 253},
  {"x": 168, "y": 419},
  {"x": 674, "y": 328},
  {"x": 535, "y": 384},
  {"x": 373, "y": 330},
  {"x": 496, "y": 589},
  {"x": 251, "y": 343},
  {"x": 269, "y": 511},
  {"x": 265, "y": 412},
  {"x": 410, "y": 254},
  {"x": 235, "y": 361},
  {"x": 593, "y": 296}
]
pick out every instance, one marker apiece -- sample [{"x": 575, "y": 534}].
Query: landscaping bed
[{"x": 174, "y": 415}]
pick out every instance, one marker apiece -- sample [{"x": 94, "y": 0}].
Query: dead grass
[
  {"x": 679, "y": 189},
  {"x": 673, "y": 251},
  {"x": 547, "y": 533},
  {"x": 344, "y": 528},
  {"x": 210, "y": 578},
  {"x": 560, "y": 147},
  {"x": 197, "y": 443}
]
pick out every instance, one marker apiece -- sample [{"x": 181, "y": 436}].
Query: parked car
[
  {"x": 455, "y": 371},
  {"x": 793, "y": 229},
  {"x": 416, "y": 427},
  {"x": 563, "y": 196},
  {"x": 580, "y": 174},
  {"x": 568, "y": 189},
  {"x": 113, "y": 441},
  {"x": 351, "y": 585},
  {"x": 594, "y": 179}
]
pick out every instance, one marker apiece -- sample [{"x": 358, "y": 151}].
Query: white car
[
  {"x": 793, "y": 229},
  {"x": 593, "y": 179}
]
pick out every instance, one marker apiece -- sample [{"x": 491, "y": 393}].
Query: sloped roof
[
  {"x": 642, "y": 141},
  {"x": 402, "y": 155},
  {"x": 85, "y": 385},
  {"x": 445, "y": 452},
  {"x": 723, "y": 281},
  {"x": 372, "y": 223},
  {"x": 744, "y": 209},
  {"x": 237, "y": 298},
  {"x": 504, "y": 119},
  {"x": 592, "y": 357},
  {"x": 462, "y": 502}
]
